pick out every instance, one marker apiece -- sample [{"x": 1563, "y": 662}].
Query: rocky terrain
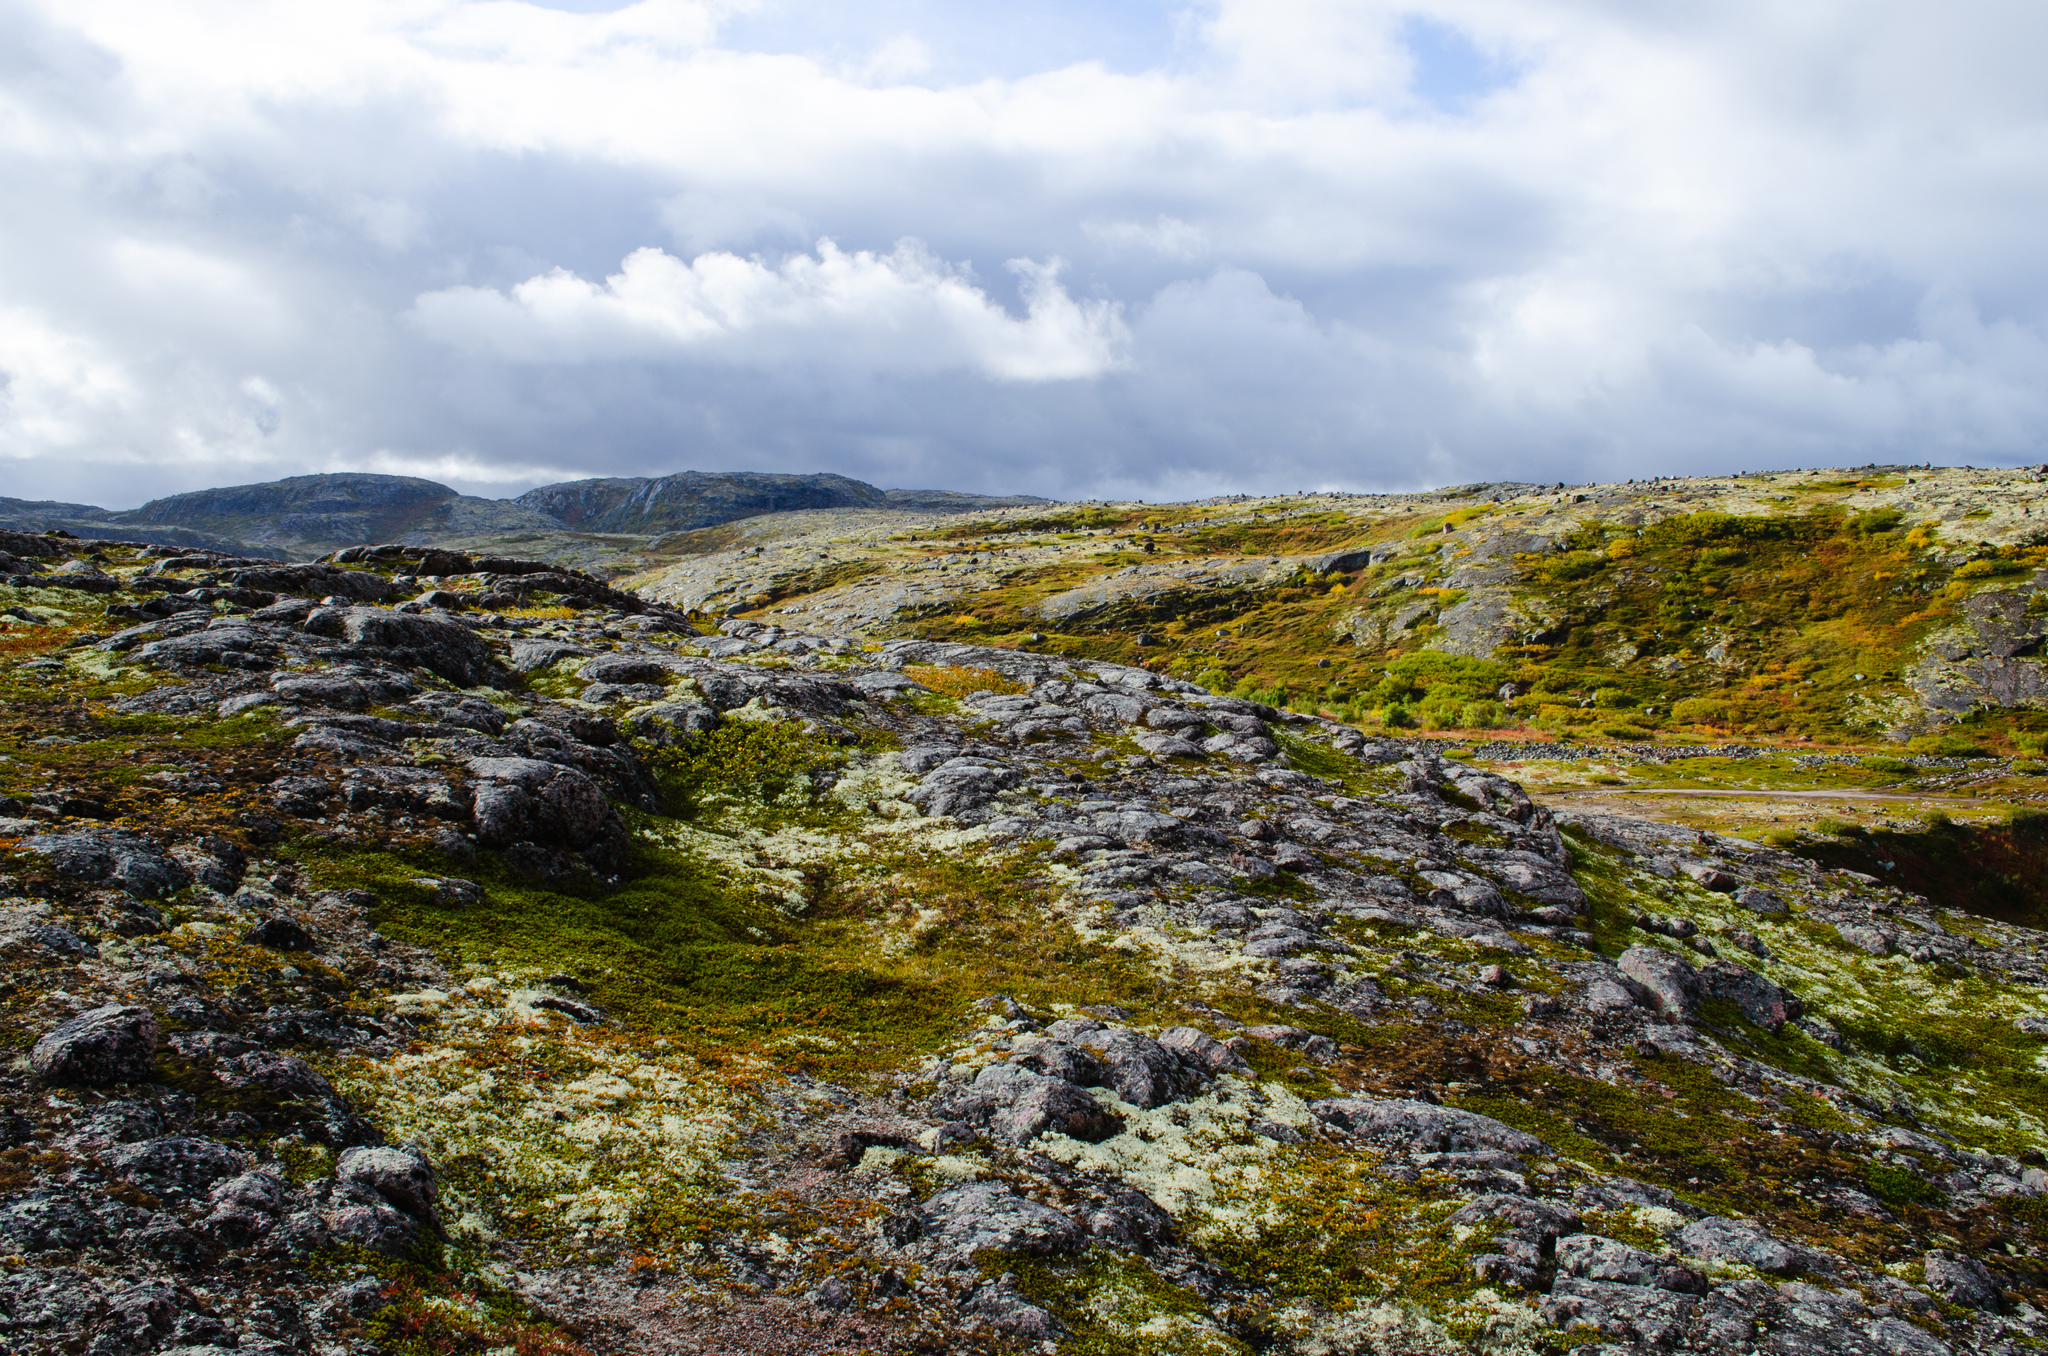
[
  {"x": 423, "y": 951},
  {"x": 1867, "y": 605}
]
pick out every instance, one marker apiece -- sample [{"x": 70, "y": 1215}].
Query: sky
[{"x": 1102, "y": 250}]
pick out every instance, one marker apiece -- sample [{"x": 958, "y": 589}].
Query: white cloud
[
  {"x": 904, "y": 312},
  {"x": 1666, "y": 237},
  {"x": 58, "y": 387}
]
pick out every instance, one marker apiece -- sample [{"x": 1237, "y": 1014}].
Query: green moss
[
  {"x": 1324, "y": 1227},
  {"x": 740, "y": 760},
  {"x": 682, "y": 949},
  {"x": 1117, "y": 1305},
  {"x": 1900, "y": 1186}
]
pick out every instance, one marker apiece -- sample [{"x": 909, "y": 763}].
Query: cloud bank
[{"x": 1130, "y": 249}]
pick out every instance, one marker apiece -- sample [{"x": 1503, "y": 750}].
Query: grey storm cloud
[{"x": 1242, "y": 246}]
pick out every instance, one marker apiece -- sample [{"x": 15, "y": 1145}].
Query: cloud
[
  {"x": 1283, "y": 243},
  {"x": 904, "y": 313}
]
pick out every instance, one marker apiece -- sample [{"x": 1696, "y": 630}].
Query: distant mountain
[
  {"x": 306, "y": 516},
  {"x": 692, "y": 499},
  {"x": 310, "y": 515},
  {"x": 96, "y": 523},
  {"x": 953, "y": 501}
]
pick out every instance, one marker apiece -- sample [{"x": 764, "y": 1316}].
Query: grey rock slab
[
  {"x": 960, "y": 785},
  {"x": 1736, "y": 1240},
  {"x": 1646, "y": 1318},
  {"x": 631, "y": 668},
  {"x": 430, "y": 641},
  {"x": 1605, "y": 1259},
  {"x": 990, "y": 1216},
  {"x": 177, "y": 1163},
  {"x": 531, "y": 656},
  {"x": 1424, "y": 1126}
]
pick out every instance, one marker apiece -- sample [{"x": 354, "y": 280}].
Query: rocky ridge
[
  {"x": 344, "y": 1013},
  {"x": 1905, "y": 598}
]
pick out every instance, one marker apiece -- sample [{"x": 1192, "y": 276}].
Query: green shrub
[
  {"x": 1988, "y": 569},
  {"x": 1578, "y": 565},
  {"x": 1396, "y": 717},
  {"x": 741, "y": 759},
  {"x": 1899, "y": 1186},
  {"x": 1482, "y": 715},
  {"x": 1877, "y": 520},
  {"x": 1944, "y": 746},
  {"x": 1701, "y": 711},
  {"x": 1613, "y": 699}
]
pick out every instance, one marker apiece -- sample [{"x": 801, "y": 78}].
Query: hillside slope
[{"x": 1879, "y": 604}]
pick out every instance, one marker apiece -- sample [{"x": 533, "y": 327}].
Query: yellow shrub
[
  {"x": 1701, "y": 710},
  {"x": 1620, "y": 550},
  {"x": 952, "y": 681}
]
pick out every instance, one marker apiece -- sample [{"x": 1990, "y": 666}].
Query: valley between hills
[{"x": 1513, "y": 918}]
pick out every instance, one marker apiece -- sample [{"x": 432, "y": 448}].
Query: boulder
[
  {"x": 667, "y": 723},
  {"x": 1053, "y": 1106},
  {"x": 1203, "y": 1051},
  {"x": 108, "y": 1045},
  {"x": 1670, "y": 981},
  {"x": 401, "y": 1177},
  {"x": 1761, "y": 901},
  {"x": 1143, "y": 1072},
  {"x": 1761, "y": 1001},
  {"x": 117, "y": 859},
  {"x": 1960, "y": 1279},
  {"x": 523, "y": 800},
  {"x": 428, "y": 641},
  {"x": 279, "y": 933}
]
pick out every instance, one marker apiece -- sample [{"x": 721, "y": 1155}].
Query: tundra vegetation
[{"x": 1006, "y": 932}]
